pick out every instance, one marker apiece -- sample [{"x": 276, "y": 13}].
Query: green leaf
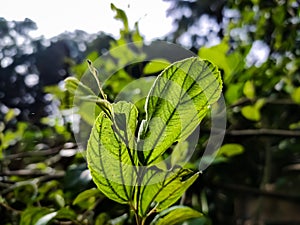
[
  {"x": 175, "y": 215},
  {"x": 160, "y": 189},
  {"x": 32, "y": 214},
  {"x": 120, "y": 15},
  {"x": 63, "y": 213},
  {"x": 136, "y": 36},
  {"x": 9, "y": 115},
  {"x": 230, "y": 150},
  {"x": 66, "y": 214},
  {"x": 155, "y": 66},
  {"x": 12, "y": 137},
  {"x": 102, "y": 219},
  {"x": 233, "y": 93},
  {"x": 178, "y": 101},
  {"x": 59, "y": 199},
  {"x": 230, "y": 63},
  {"x": 198, "y": 221},
  {"x": 260, "y": 103},
  {"x": 85, "y": 195},
  {"x": 89, "y": 112},
  {"x": 249, "y": 90},
  {"x": 109, "y": 156},
  {"x": 46, "y": 219},
  {"x": 81, "y": 68},
  {"x": 253, "y": 112},
  {"x": 296, "y": 95},
  {"x": 295, "y": 126}
]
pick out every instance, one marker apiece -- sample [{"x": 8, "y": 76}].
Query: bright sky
[{"x": 56, "y": 16}]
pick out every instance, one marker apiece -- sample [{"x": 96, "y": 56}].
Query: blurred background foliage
[{"x": 254, "y": 178}]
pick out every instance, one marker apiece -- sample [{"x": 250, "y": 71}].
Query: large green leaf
[
  {"x": 161, "y": 189},
  {"x": 175, "y": 215},
  {"x": 125, "y": 116},
  {"x": 177, "y": 102},
  {"x": 110, "y": 156}
]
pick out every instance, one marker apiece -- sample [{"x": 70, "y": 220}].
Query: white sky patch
[
  {"x": 57, "y": 16},
  {"x": 6, "y": 61},
  {"x": 31, "y": 80},
  {"x": 258, "y": 54}
]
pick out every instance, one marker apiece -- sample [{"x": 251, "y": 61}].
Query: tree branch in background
[{"x": 264, "y": 132}]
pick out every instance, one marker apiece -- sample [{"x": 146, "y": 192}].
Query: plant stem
[
  {"x": 95, "y": 74},
  {"x": 138, "y": 219}
]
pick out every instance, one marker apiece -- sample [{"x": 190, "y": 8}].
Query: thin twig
[
  {"x": 264, "y": 132},
  {"x": 10, "y": 208},
  {"x": 245, "y": 101},
  {"x": 94, "y": 72},
  {"x": 46, "y": 152},
  {"x": 34, "y": 182},
  {"x": 256, "y": 192},
  {"x": 31, "y": 173}
]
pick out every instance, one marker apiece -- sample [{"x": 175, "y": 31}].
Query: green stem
[
  {"x": 138, "y": 219},
  {"x": 95, "y": 75}
]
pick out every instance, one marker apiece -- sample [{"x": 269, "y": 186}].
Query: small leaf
[
  {"x": 260, "y": 103},
  {"x": 85, "y": 195},
  {"x": 251, "y": 113},
  {"x": 32, "y": 214},
  {"x": 63, "y": 213},
  {"x": 230, "y": 150},
  {"x": 160, "y": 189},
  {"x": 249, "y": 90},
  {"x": 136, "y": 36},
  {"x": 175, "y": 215},
  {"x": 121, "y": 15},
  {"x": 219, "y": 54},
  {"x": 155, "y": 66},
  {"x": 46, "y": 219},
  {"x": 59, "y": 199},
  {"x": 9, "y": 115},
  {"x": 233, "y": 93},
  {"x": 295, "y": 126},
  {"x": 296, "y": 95},
  {"x": 102, "y": 219}
]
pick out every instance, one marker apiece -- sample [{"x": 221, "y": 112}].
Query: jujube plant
[{"x": 127, "y": 158}]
